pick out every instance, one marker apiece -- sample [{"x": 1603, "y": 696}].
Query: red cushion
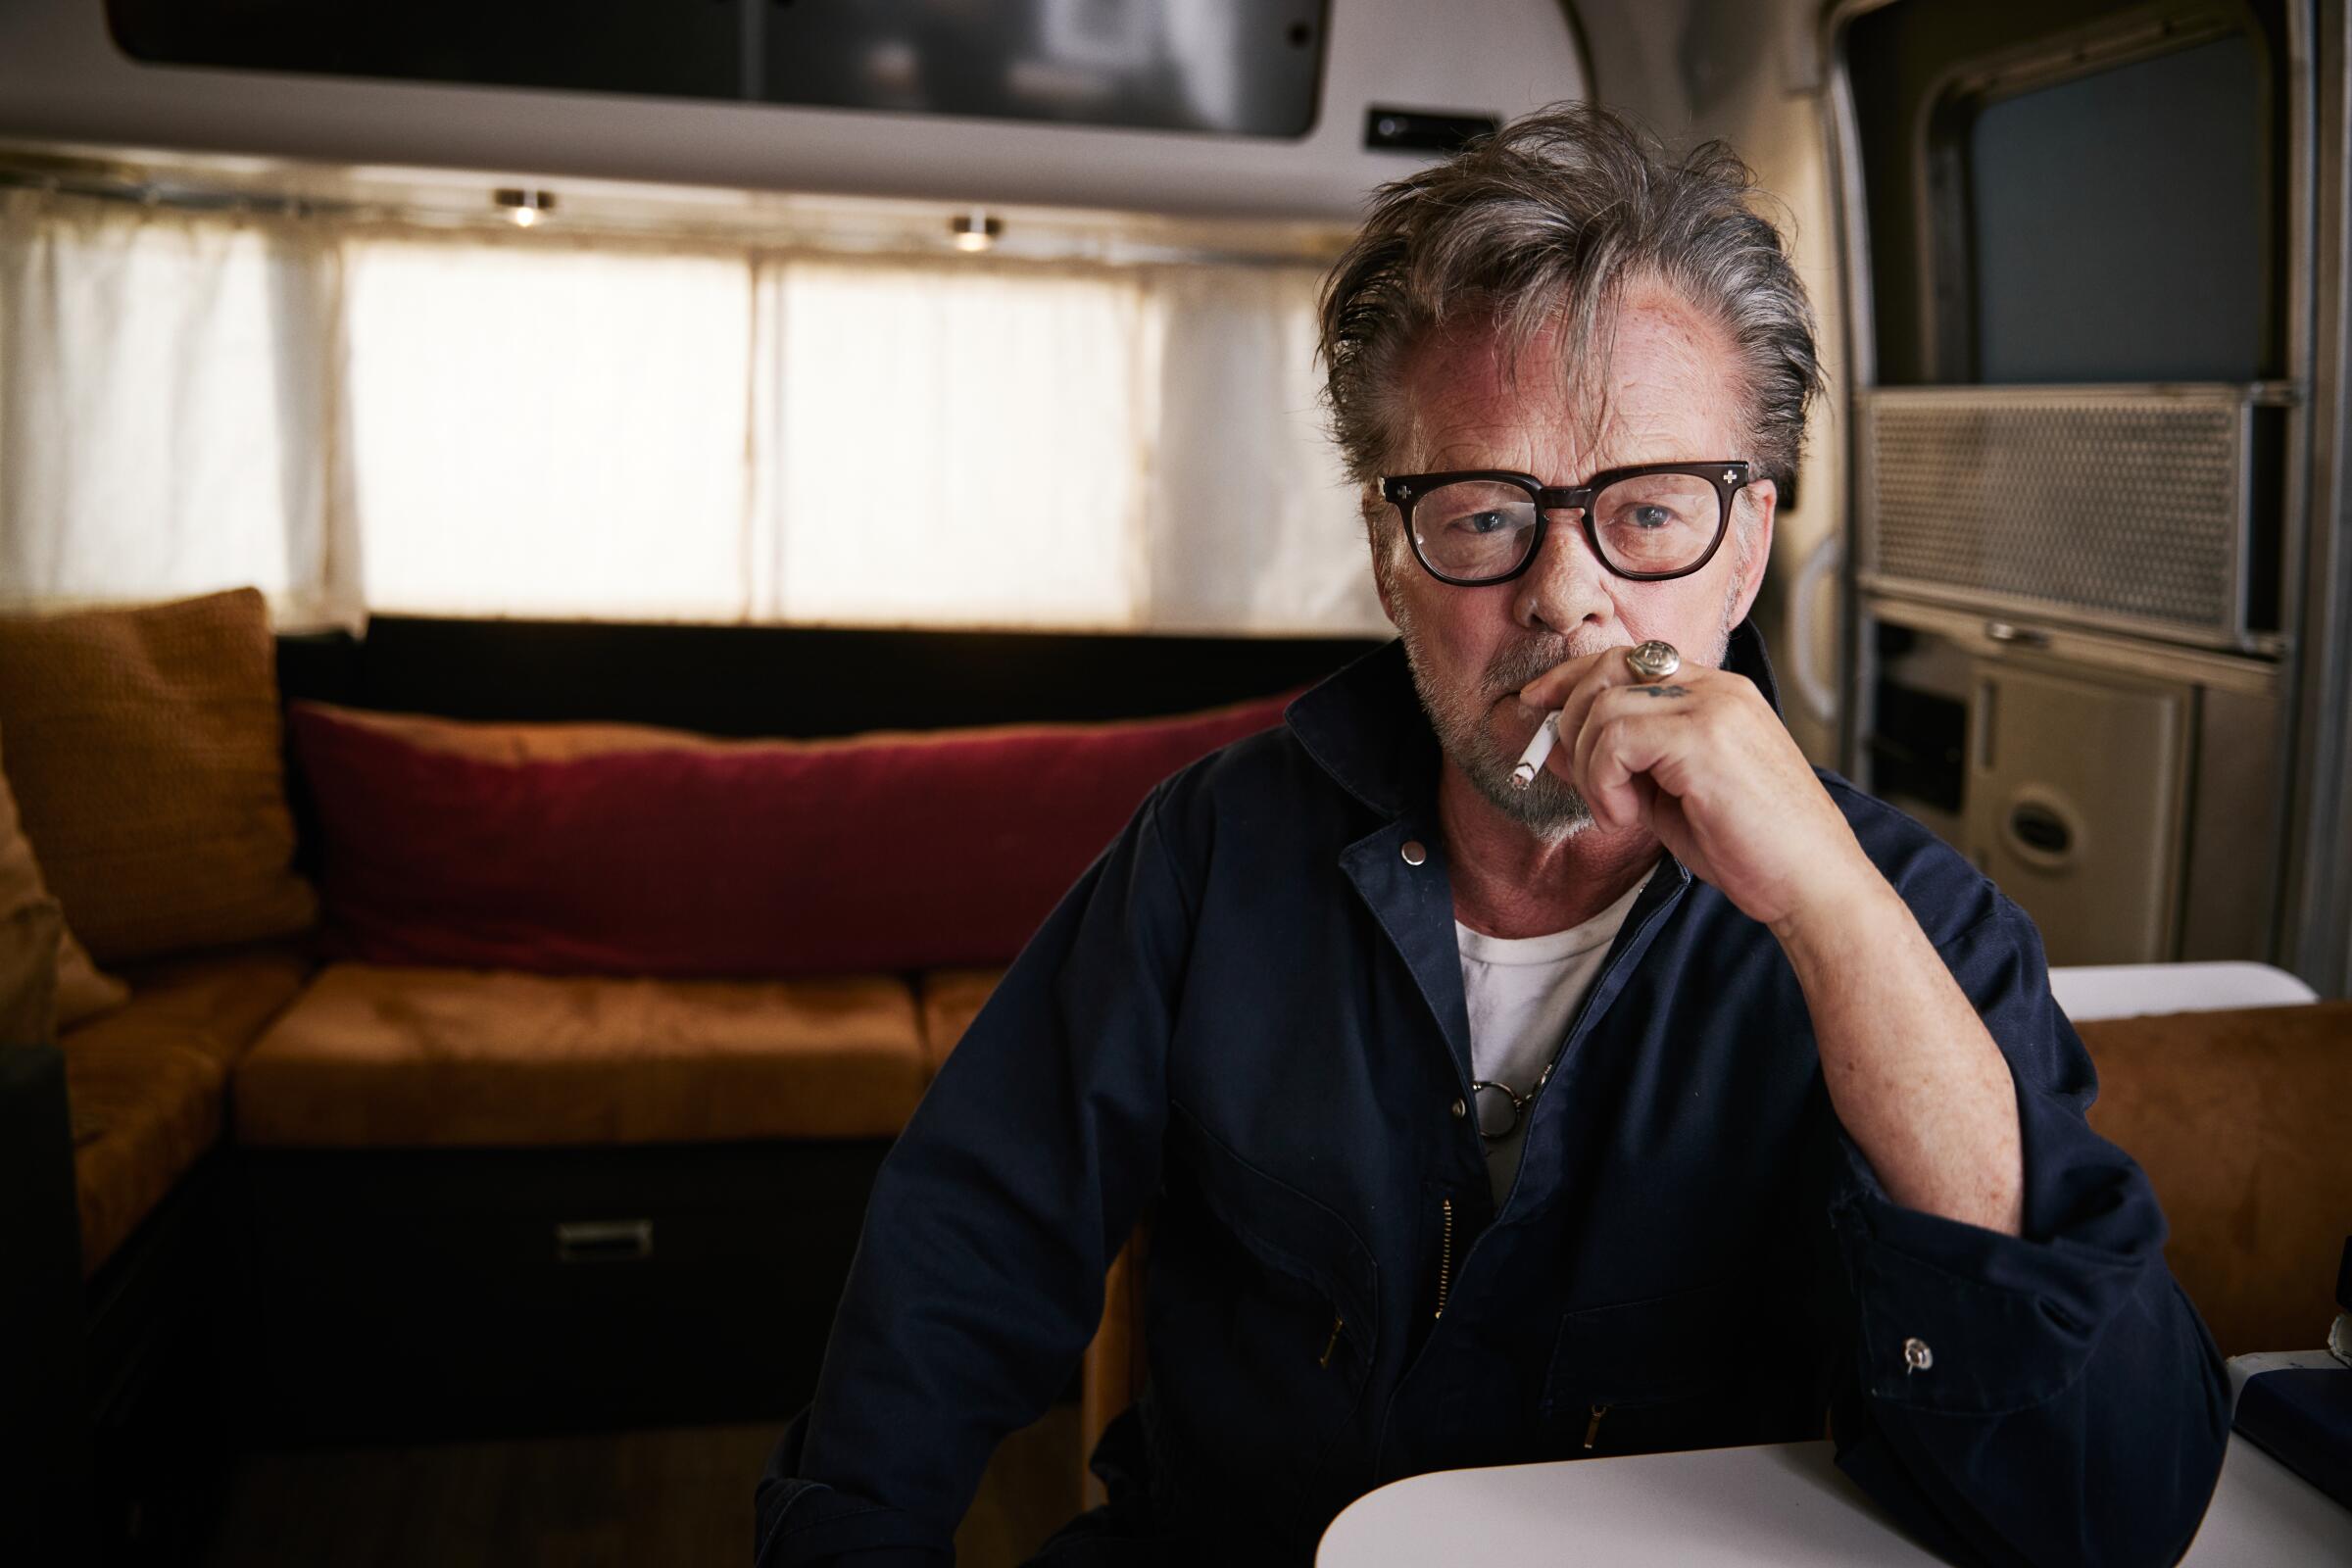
[{"x": 618, "y": 852}]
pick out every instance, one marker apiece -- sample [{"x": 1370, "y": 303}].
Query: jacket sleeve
[
  {"x": 2050, "y": 1398},
  {"x": 979, "y": 1274}
]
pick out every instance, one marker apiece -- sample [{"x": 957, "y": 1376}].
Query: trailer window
[{"x": 362, "y": 415}]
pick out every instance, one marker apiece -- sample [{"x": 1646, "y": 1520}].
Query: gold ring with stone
[{"x": 1652, "y": 661}]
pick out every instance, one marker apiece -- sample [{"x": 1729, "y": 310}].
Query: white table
[
  {"x": 2127, "y": 990},
  {"x": 1784, "y": 1504}
]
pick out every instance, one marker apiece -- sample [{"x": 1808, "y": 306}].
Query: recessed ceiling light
[
  {"x": 974, "y": 231},
  {"x": 524, "y": 207}
]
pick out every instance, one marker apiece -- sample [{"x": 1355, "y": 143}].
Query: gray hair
[{"x": 1550, "y": 219}]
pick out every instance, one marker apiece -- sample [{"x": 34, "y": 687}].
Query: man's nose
[{"x": 1565, "y": 586}]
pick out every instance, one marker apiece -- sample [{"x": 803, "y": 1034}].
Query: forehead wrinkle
[
  {"x": 1544, "y": 449},
  {"x": 1539, "y": 434},
  {"x": 1668, "y": 391},
  {"x": 1491, "y": 421}
]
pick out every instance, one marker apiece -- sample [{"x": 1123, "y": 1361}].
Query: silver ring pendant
[{"x": 1486, "y": 1109}]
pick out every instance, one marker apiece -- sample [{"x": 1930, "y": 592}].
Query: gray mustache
[{"x": 1515, "y": 670}]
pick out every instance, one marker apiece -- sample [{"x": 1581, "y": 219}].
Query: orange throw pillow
[
  {"x": 29, "y": 936},
  {"x": 81, "y": 990},
  {"x": 144, "y": 750}
]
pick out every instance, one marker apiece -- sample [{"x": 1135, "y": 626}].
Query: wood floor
[{"x": 635, "y": 1497}]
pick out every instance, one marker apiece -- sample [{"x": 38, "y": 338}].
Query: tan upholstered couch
[
  {"x": 352, "y": 1200},
  {"x": 150, "y": 758}
]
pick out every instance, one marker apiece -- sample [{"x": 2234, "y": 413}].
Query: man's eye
[
  {"x": 1482, "y": 522},
  {"x": 1650, "y": 516}
]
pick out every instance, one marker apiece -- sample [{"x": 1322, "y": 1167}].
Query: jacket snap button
[
  {"x": 1916, "y": 1357},
  {"x": 1460, "y": 1109},
  {"x": 1414, "y": 854}
]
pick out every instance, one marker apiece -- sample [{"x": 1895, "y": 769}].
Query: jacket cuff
[
  {"x": 1958, "y": 1318},
  {"x": 809, "y": 1524}
]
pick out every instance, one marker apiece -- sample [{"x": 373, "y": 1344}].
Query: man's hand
[{"x": 1702, "y": 761}]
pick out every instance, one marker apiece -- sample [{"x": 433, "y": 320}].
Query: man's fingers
[
  {"x": 1576, "y": 705},
  {"x": 1571, "y": 687},
  {"x": 1624, "y": 753},
  {"x": 1607, "y": 672},
  {"x": 1610, "y": 704},
  {"x": 1608, "y": 716}
]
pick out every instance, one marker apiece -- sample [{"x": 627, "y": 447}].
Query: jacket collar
[{"x": 1365, "y": 725}]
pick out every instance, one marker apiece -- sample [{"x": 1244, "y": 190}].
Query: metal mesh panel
[{"x": 2110, "y": 505}]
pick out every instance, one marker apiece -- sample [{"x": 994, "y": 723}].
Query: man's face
[{"x": 1672, "y": 397}]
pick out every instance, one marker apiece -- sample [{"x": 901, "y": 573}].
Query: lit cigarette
[{"x": 1531, "y": 761}]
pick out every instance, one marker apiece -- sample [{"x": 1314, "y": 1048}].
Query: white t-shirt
[{"x": 1523, "y": 994}]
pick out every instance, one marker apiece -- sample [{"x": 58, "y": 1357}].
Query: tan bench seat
[
  {"x": 951, "y": 1000},
  {"x": 2238, "y": 1119},
  {"x": 146, "y": 1081},
  {"x": 376, "y": 1056}
]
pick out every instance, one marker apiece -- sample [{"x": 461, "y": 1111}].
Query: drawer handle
[{"x": 605, "y": 1240}]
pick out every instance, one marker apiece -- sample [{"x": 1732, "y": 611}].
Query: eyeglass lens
[{"x": 1476, "y": 529}]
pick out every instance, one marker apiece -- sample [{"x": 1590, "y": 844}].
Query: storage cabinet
[
  {"x": 2124, "y": 795},
  {"x": 2073, "y": 800}
]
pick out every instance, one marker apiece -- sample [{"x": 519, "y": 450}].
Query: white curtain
[
  {"x": 1250, "y": 525},
  {"x": 545, "y": 430},
  {"x": 356, "y": 418},
  {"x": 957, "y": 444},
  {"x": 166, "y": 403}
]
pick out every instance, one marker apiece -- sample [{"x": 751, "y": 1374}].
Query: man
[{"x": 1681, "y": 1097}]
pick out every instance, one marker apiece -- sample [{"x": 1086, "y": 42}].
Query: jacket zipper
[
  {"x": 1593, "y": 1428},
  {"x": 1445, "y": 1260},
  {"x": 1337, "y": 1323},
  {"x": 1575, "y": 1030}
]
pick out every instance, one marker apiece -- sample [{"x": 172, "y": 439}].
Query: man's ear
[{"x": 1763, "y": 499}]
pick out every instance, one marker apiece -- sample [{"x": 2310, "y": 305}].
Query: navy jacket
[{"x": 1249, "y": 1016}]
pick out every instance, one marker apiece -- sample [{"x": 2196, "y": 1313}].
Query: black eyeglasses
[{"x": 1651, "y": 522}]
